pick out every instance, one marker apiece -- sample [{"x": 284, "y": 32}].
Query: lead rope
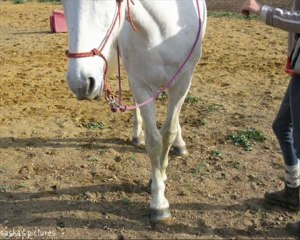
[
  {"x": 129, "y": 14},
  {"x": 124, "y": 108},
  {"x": 108, "y": 94},
  {"x": 114, "y": 106}
]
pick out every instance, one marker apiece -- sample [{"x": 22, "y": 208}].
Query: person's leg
[
  {"x": 282, "y": 126},
  {"x": 294, "y": 228},
  {"x": 295, "y": 112}
]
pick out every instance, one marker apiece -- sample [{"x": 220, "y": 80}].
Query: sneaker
[{"x": 294, "y": 228}]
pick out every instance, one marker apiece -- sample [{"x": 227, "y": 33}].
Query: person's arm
[
  {"x": 282, "y": 19},
  {"x": 275, "y": 17}
]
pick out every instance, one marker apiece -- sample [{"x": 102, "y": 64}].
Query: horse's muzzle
[{"x": 87, "y": 90}]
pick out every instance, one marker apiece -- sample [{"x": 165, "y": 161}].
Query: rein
[{"x": 98, "y": 52}]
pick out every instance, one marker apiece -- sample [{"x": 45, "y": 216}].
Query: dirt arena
[{"x": 68, "y": 169}]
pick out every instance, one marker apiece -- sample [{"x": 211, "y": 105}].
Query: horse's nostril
[{"x": 91, "y": 85}]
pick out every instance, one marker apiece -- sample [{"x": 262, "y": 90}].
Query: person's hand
[{"x": 251, "y": 6}]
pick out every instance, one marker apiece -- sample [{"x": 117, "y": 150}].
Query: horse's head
[{"x": 93, "y": 26}]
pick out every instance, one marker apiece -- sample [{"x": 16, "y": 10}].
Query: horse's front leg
[
  {"x": 159, "y": 205},
  {"x": 171, "y": 130}
]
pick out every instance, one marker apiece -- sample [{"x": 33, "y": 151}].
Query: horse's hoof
[
  {"x": 180, "y": 151},
  {"x": 160, "y": 216},
  {"x": 138, "y": 141}
]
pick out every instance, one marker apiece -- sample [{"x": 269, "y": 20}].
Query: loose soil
[{"x": 62, "y": 175}]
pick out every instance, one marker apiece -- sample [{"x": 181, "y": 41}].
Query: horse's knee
[
  {"x": 153, "y": 144},
  {"x": 169, "y": 135}
]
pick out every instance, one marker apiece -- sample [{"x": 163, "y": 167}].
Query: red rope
[
  {"x": 118, "y": 16},
  {"x": 129, "y": 14}
]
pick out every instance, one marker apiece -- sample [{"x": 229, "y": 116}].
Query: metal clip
[{"x": 114, "y": 106}]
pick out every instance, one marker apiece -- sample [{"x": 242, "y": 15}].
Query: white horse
[{"x": 162, "y": 52}]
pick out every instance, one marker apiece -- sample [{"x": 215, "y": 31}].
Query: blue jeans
[{"x": 286, "y": 125}]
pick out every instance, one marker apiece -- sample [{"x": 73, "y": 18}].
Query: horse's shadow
[
  {"x": 33, "y": 33},
  {"x": 92, "y": 143},
  {"x": 26, "y": 208},
  {"x": 32, "y": 209},
  {"x": 53, "y": 209},
  {"x": 58, "y": 143}
]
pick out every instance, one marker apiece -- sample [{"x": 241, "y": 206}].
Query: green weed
[
  {"x": 245, "y": 139},
  {"x": 202, "y": 121},
  {"x": 260, "y": 211},
  {"x": 191, "y": 99},
  {"x": 93, "y": 159},
  {"x": 5, "y": 188},
  {"x": 200, "y": 169},
  {"x": 126, "y": 201},
  {"x": 94, "y": 125},
  {"x": 236, "y": 165},
  {"x": 163, "y": 96},
  {"x": 19, "y": 1},
  {"x": 52, "y": 1},
  {"x": 216, "y": 153},
  {"x": 213, "y": 107},
  {"x": 217, "y": 14},
  {"x": 132, "y": 158}
]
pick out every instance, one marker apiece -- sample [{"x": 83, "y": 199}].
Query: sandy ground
[{"x": 62, "y": 178}]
